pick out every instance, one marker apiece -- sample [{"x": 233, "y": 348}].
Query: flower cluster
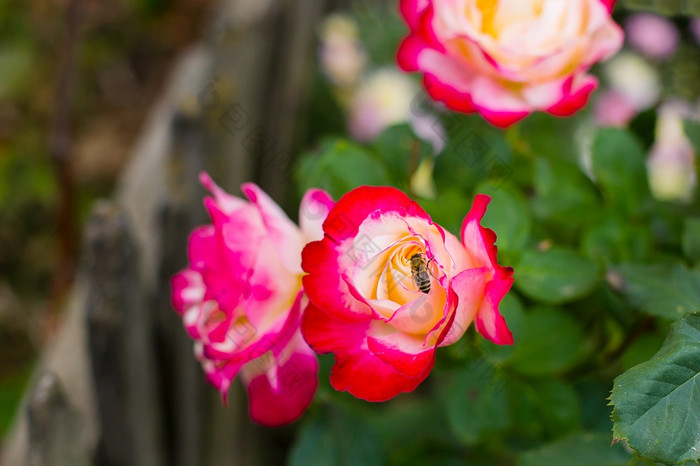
[
  {"x": 384, "y": 287},
  {"x": 371, "y": 278}
]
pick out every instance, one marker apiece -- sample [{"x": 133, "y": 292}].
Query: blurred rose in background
[{"x": 654, "y": 36}]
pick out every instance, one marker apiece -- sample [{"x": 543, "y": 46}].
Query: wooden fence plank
[
  {"x": 120, "y": 344},
  {"x": 55, "y": 428}
]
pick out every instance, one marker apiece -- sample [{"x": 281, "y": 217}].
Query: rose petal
[
  {"x": 188, "y": 290},
  {"x": 489, "y": 321},
  {"x": 220, "y": 375},
  {"x": 411, "y": 10},
  {"x": 284, "y": 235},
  {"x": 323, "y": 284},
  {"x": 367, "y": 377},
  {"x": 407, "y": 354},
  {"x": 324, "y": 333},
  {"x": 575, "y": 95},
  {"x": 352, "y": 209},
  {"x": 226, "y": 202},
  {"x": 478, "y": 240},
  {"x": 469, "y": 286},
  {"x": 609, "y": 4},
  {"x": 313, "y": 212},
  {"x": 281, "y": 395},
  {"x": 356, "y": 369}
]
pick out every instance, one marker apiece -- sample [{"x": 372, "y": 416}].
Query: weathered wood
[
  {"x": 119, "y": 344},
  {"x": 291, "y": 72},
  {"x": 248, "y": 108},
  {"x": 180, "y": 213},
  {"x": 55, "y": 428},
  {"x": 140, "y": 387},
  {"x": 141, "y": 191}
]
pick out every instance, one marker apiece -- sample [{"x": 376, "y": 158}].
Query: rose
[
  {"x": 508, "y": 58},
  {"x": 240, "y": 299},
  {"x": 365, "y": 303}
]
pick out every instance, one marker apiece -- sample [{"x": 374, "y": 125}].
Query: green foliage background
[
  {"x": 602, "y": 272},
  {"x": 606, "y": 277}
]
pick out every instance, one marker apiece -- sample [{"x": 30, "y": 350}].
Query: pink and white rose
[
  {"x": 366, "y": 305},
  {"x": 614, "y": 109},
  {"x": 241, "y": 298},
  {"x": 508, "y": 58}
]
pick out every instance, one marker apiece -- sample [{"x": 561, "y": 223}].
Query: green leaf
[
  {"x": 475, "y": 152},
  {"x": 641, "y": 349},
  {"x": 546, "y": 135},
  {"x": 663, "y": 290},
  {"x": 339, "y": 166},
  {"x": 448, "y": 210},
  {"x": 559, "y": 406},
  {"x": 550, "y": 342},
  {"x": 593, "y": 393},
  {"x": 477, "y": 403},
  {"x": 555, "y": 276},
  {"x": 508, "y": 215},
  {"x": 565, "y": 196},
  {"x": 664, "y": 7},
  {"x": 692, "y": 130},
  {"x": 398, "y": 147},
  {"x": 620, "y": 169},
  {"x": 548, "y": 405},
  {"x": 411, "y": 427},
  {"x": 314, "y": 446},
  {"x": 381, "y": 28},
  {"x": 612, "y": 239},
  {"x": 512, "y": 310},
  {"x": 338, "y": 439},
  {"x": 395, "y": 146},
  {"x": 409, "y": 421},
  {"x": 691, "y": 239},
  {"x": 657, "y": 403},
  {"x": 579, "y": 449}
]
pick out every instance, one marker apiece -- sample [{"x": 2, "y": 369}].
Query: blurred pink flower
[
  {"x": 654, "y": 36},
  {"x": 695, "y": 29},
  {"x": 241, "y": 299},
  {"x": 614, "y": 109}
]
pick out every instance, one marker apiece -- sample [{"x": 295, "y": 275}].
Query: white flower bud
[{"x": 671, "y": 162}]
